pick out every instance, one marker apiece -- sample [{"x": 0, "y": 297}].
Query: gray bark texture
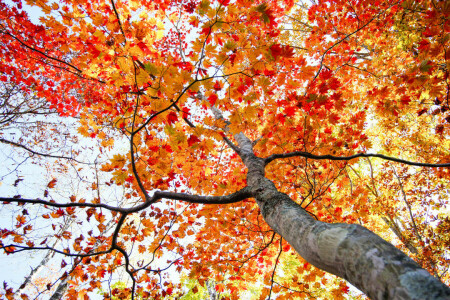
[
  {"x": 349, "y": 251},
  {"x": 50, "y": 254},
  {"x": 211, "y": 287},
  {"x": 33, "y": 272},
  {"x": 60, "y": 290}
]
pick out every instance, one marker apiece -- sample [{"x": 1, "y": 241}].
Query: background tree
[{"x": 238, "y": 133}]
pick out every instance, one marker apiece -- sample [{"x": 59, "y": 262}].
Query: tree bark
[
  {"x": 61, "y": 289},
  {"x": 33, "y": 272},
  {"x": 44, "y": 261},
  {"x": 349, "y": 251},
  {"x": 211, "y": 288}
]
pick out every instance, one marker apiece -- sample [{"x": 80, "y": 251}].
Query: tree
[{"x": 250, "y": 130}]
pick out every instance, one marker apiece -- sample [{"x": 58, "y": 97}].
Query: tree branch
[
  {"x": 272, "y": 157},
  {"x": 232, "y": 198},
  {"x": 227, "y": 199},
  {"x": 118, "y": 20},
  {"x": 22, "y": 201},
  {"x": 38, "y": 153}
]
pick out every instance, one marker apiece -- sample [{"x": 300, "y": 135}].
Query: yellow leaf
[
  {"x": 208, "y": 171},
  {"x": 236, "y": 121},
  {"x": 83, "y": 131},
  {"x": 124, "y": 64},
  {"x": 142, "y": 77},
  {"x": 251, "y": 113},
  {"x": 119, "y": 176},
  {"x": 135, "y": 51}
]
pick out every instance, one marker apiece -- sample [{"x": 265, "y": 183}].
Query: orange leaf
[{"x": 52, "y": 183}]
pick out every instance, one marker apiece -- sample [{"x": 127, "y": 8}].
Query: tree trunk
[
  {"x": 211, "y": 288},
  {"x": 50, "y": 254},
  {"x": 61, "y": 289},
  {"x": 34, "y": 272},
  {"x": 349, "y": 251}
]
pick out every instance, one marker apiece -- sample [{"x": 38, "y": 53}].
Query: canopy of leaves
[{"x": 141, "y": 79}]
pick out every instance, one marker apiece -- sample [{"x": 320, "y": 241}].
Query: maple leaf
[
  {"x": 192, "y": 140},
  {"x": 217, "y": 86},
  {"x": 21, "y": 219},
  {"x": 267, "y": 14},
  {"x": 278, "y": 50},
  {"x": 144, "y": 48},
  {"x": 290, "y": 110},
  {"x": 52, "y": 183},
  {"x": 212, "y": 99},
  {"x": 185, "y": 66},
  {"x": 172, "y": 117},
  {"x": 405, "y": 100}
]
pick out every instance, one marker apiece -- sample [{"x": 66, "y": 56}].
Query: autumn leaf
[
  {"x": 172, "y": 117},
  {"x": 18, "y": 239},
  {"x": 193, "y": 139},
  {"x": 212, "y": 99},
  {"x": 281, "y": 51},
  {"x": 21, "y": 219},
  {"x": 217, "y": 87},
  {"x": 52, "y": 183}
]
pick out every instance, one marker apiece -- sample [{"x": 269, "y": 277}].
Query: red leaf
[
  {"x": 281, "y": 50},
  {"x": 242, "y": 88},
  {"x": 423, "y": 44},
  {"x": 206, "y": 30},
  {"x": 101, "y": 273},
  {"x": 212, "y": 99},
  {"x": 192, "y": 140},
  {"x": 187, "y": 66},
  {"x": 333, "y": 83},
  {"x": 405, "y": 100},
  {"x": 186, "y": 112},
  {"x": 172, "y": 117},
  {"x": 275, "y": 50},
  {"x": 144, "y": 47},
  {"x": 217, "y": 86},
  {"x": 269, "y": 73},
  {"x": 95, "y": 52},
  {"x": 290, "y": 111}
]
